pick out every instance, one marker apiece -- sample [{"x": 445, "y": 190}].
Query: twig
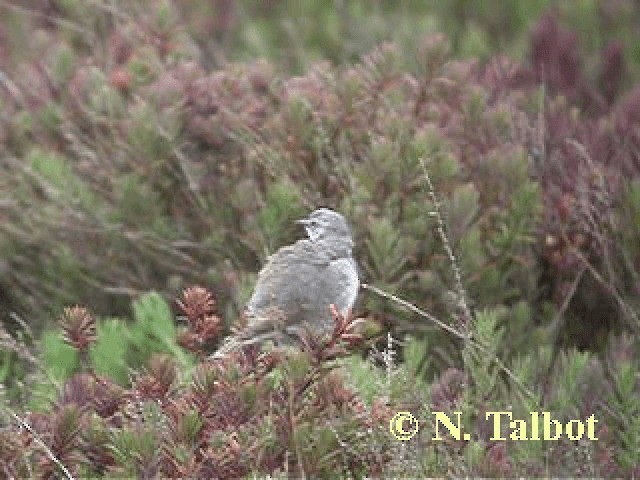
[
  {"x": 472, "y": 342},
  {"x": 57, "y": 20},
  {"x": 558, "y": 320},
  {"x": 39, "y": 441},
  {"x": 462, "y": 303},
  {"x": 415, "y": 309},
  {"x": 610, "y": 288},
  {"x": 554, "y": 330}
]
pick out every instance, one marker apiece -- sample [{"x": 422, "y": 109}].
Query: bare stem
[
  {"x": 448, "y": 328},
  {"x": 40, "y": 442},
  {"x": 457, "y": 275}
]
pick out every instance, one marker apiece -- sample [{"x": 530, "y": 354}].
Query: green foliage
[
  {"x": 119, "y": 346},
  {"x": 109, "y": 352},
  {"x": 146, "y": 137},
  {"x": 61, "y": 359},
  {"x": 387, "y": 249},
  {"x": 626, "y": 404},
  {"x": 416, "y": 358},
  {"x": 628, "y": 238},
  {"x": 135, "y": 195},
  {"x": 190, "y": 425},
  {"x": 568, "y": 380},
  {"x": 137, "y": 447},
  {"x": 462, "y": 210},
  {"x": 59, "y": 180},
  {"x": 153, "y": 330},
  {"x": 368, "y": 381},
  {"x": 51, "y": 118},
  {"x": 5, "y": 365},
  {"x": 63, "y": 64},
  {"x": 480, "y": 362},
  {"x": 137, "y": 157},
  {"x": 281, "y": 210}
]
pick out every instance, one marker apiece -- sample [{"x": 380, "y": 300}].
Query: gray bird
[{"x": 299, "y": 282}]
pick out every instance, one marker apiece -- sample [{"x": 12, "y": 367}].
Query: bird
[{"x": 298, "y": 284}]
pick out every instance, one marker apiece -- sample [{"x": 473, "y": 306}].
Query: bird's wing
[
  {"x": 295, "y": 289},
  {"x": 288, "y": 275}
]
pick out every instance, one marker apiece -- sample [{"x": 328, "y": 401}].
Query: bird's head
[{"x": 324, "y": 224}]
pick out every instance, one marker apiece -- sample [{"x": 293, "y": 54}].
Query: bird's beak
[{"x": 303, "y": 221}]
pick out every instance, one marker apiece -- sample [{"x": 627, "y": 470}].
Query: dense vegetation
[{"x": 153, "y": 154}]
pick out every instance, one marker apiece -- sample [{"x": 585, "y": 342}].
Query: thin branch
[
  {"x": 57, "y": 20},
  {"x": 457, "y": 275},
  {"x": 414, "y": 309},
  {"x": 611, "y": 289},
  {"x": 558, "y": 320},
  {"x": 472, "y": 342},
  {"x": 40, "y": 442}
]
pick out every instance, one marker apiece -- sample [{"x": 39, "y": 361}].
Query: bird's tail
[{"x": 243, "y": 339}]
